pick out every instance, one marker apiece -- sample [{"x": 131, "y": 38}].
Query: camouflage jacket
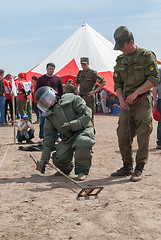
[{"x": 130, "y": 75}]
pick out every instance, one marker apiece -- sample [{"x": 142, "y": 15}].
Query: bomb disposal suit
[{"x": 72, "y": 119}]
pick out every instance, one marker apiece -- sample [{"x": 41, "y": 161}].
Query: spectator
[
  {"x": 29, "y": 90},
  {"x": 3, "y": 83},
  {"x": 49, "y": 79},
  {"x": 23, "y": 134},
  {"x": 34, "y": 81},
  {"x": 104, "y": 96},
  {"x": 9, "y": 97},
  {"x": 157, "y": 103},
  {"x": 85, "y": 84},
  {"x": 113, "y": 102},
  {"x": 70, "y": 88},
  {"x": 16, "y": 80},
  {"x": 22, "y": 96}
]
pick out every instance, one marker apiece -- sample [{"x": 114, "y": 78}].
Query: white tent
[{"x": 85, "y": 42}]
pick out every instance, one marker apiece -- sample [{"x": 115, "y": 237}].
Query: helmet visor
[{"x": 46, "y": 100}]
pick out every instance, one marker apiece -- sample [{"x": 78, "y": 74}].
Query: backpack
[{"x": 2, "y": 90}]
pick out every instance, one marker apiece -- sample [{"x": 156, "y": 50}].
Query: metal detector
[{"x": 85, "y": 191}]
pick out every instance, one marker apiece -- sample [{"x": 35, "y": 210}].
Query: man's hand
[
  {"x": 124, "y": 106},
  {"x": 90, "y": 94},
  {"x": 131, "y": 98}
]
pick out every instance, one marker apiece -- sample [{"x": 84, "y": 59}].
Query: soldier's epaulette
[
  {"x": 80, "y": 73},
  {"x": 119, "y": 57},
  {"x": 145, "y": 53}
]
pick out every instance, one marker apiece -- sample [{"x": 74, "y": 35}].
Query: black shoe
[
  {"x": 123, "y": 171},
  {"x": 19, "y": 142},
  {"x": 158, "y": 146},
  {"x": 58, "y": 174},
  {"x": 137, "y": 174},
  {"x": 29, "y": 141}
]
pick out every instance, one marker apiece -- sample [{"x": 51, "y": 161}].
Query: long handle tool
[{"x": 85, "y": 191}]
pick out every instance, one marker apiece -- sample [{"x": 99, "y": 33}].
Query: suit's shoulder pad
[{"x": 66, "y": 98}]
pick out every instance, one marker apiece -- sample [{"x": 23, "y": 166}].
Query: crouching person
[
  {"x": 25, "y": 130},
  {"x": 72, "y": 119}
]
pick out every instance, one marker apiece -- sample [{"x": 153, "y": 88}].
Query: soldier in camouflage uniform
[
  {"x": 72, "y": 119},
  {"x": 70, "y": 88},
  {"x": 85, "y": 84},
  {"x": 135, "y": 74}
]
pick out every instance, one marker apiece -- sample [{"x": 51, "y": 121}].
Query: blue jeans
[
  {"x": 41, "y": 125},
  {"x": 2, "y": 109},
  {"x": 159, "y": 123},
  {"x": 36, "y": 110},
  {"x": 25, "y": 135}
]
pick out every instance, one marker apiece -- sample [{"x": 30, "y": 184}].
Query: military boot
[
  {"x": 126, "y": 170},
  {"x": 137, "y": 174}
]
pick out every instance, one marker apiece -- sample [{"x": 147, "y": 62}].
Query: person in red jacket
[
  {"x": 8, "y": 77},
  {"x": 36, "y": 110},
  {"x": 24, "y": 95},
  {"x": 16, "y": 80},
  {"x": 29, "y": 90},
  {"x": 3, "y": 83}
]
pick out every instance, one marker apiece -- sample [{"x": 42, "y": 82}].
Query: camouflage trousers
[
  {"x": 80, "y": 146},
  {"x": 136, "y": 122},
  {"x": 90, "y": 102},
  {"x": 22, "y": 106},
  {"x": 29, "y": 110}
]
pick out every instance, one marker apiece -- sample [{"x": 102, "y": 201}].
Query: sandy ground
[{"x": 35, "y": 206}]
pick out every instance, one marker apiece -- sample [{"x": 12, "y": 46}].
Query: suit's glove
[
  {"x": 40, "y": 166},
  {"x": 66, "y": 127}
]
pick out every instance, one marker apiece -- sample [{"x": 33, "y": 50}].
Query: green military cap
[
  {"x": 84, "y": 60},
  {"x": 121, "y": 35},
  {"x": 70, "y": 81}
]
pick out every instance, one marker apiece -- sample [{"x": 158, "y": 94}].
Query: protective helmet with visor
[{"x": 45, "y": 97}]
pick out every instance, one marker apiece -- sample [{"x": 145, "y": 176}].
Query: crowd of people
[
  {"x": 22, "y": 102},
  {"x": 66, "y": 112},
  {"x": 107, "y": 103}
]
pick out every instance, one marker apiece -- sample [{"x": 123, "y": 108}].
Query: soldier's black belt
[{"x": 139, "y": 96}]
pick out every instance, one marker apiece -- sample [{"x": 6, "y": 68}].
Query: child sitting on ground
[{"x": 22, "y": 129}]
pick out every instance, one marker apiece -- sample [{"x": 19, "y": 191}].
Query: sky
[{"x": 31, "y": 30}]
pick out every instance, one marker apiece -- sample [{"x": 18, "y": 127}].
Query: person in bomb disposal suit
[
  {"x": 72, "y": 119},
  {"x": 135, "y": 73},
  {"x": 85, "y": 84}
]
